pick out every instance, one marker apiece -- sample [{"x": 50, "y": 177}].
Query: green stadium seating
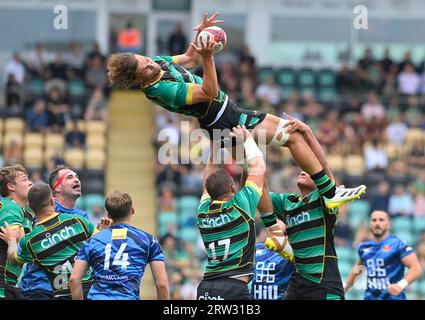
[
  {"x": 306, "y": 77},
  {"x": 402, "y": 224},
  {"x": 344, "y": 268},
  {"x": 165, "y": 219},
  {"x": 188, "y": 204},
  {"x": 188, "y": 234},
  {"x": 36, "y": 87},
  {"x": 76, "y": 88},
  {"x": 358, "y": 212},
  {"x": 287, "y": 91},
  {"x": 346, "y": 253},
  {"x": 91, "y": 200},
  {"x": 419, "y": 225},
  {"x": 326, "y": 78},
  {"x": 264, "y": 73},
  {"x": 407, "y": 236},
  {"x": 326, "y": 95},
  {"x": 286, "y": 77}
]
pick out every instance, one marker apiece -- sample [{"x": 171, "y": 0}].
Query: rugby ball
[{"x": 215, "y": 33}]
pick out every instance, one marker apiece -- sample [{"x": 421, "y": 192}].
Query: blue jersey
[
  {"x": 118, "y": 256},
  {"x": 33, "y": 277},
  {"x": 271, "y": 274},
  {"x": 384, "y": 266}
]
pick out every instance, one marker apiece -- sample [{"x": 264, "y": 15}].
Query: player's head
[
  {"x": 304, "y": 181},
  {"x": 380, "y": 223},
  {"x": 119, "y": 206},
  {"x": 14, "y": 182},
  {"x": 65, "y": 183},
  {"x": 40, "y": 198},
  {"x": 220, "y": 184},
  {"x": 127, "y": 69}
]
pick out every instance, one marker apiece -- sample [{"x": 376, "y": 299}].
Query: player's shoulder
[
  {"x": 80, "y": 212},
  {"x": 162, "y": 58},
  {"x": 393, "y": 239}
]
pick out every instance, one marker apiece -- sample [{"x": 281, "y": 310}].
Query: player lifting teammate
[{"x": 166, "y": 81}]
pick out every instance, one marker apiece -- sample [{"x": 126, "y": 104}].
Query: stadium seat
[
  {"x": 326, "y": 95},
  {"x": 81, "y": 125},
  {"x": 402, "y": 224},
  {"x": 76, "y": 88},
  {"x": 91, "y": 200},
  {"x": 414, "y": 134},
  {"x": 286, "y": 77},
  {"x": 1, "y": 125},
  {"x": 95, "y": 159},
  {"x": 264, "y": 73},
  {"x": 95, "y": 127},
  {"x": 419, "y": 225},
  {"x": 306, "y": 77},
  {"x": 49, "y": 153},
  {"x": 394, "y": 151},
  {"x": 344, "y": 268},
  {"x": 345, "y": 253},
  {"x": 96, "y": 142},
  {"x": 33, "y": 140},
  {"x": 165, "y": 219},
  {"x": 326, "y": 78},
  {"x": 358, "y": 212},
  {"x": 14, "y": 125},
  {"x": 74, "y": 158},
  {"x": 354, "y": 165},
  {"x": 407, "y": 236},
  {"x": 14, "y": 136},
  {"x": 33, "y": 157},
  {"x": 335, "y": 162},
  {"x": 35, "y": 87},
  {"x": 187, "y": 204},
  {"x": 54, "y": 141},
  {"x": 188, "y": 234},
  {"x": 287, "y": 91}
]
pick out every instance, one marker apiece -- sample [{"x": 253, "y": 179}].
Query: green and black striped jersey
[
  {"x": 310, "y": 229},
  {"x": 228, "y": 231},
  {"x": 15, "y": 216},
  {"x": 53, "y": 245}
]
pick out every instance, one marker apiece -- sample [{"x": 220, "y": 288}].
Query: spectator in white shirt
[
  {"x": 397, "y": 130},
  {"x": 401, "y": 202},
  {"x": 15, "y": 67},
  {"x": 269, "y": 91},
  {"x": 375, "y": 157},
  {"x": 38, "y": 59},
  {"x": 373, "y": 108},
  {"x": 409, "y": 81}
]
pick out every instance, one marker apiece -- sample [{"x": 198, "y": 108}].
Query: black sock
[{"x": 324, "y": 184}]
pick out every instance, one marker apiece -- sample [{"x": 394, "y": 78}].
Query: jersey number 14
[{"x": 120, "y": 259}]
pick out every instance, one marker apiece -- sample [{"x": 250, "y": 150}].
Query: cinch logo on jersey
[
  {"x": 215, "y": 222},
  {"x": 298, "y": 219},
  {"x": 206, "y": 296},
  {"x": 62, "y": 235}
]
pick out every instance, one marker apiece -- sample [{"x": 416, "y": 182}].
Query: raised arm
[
  {"x": 191, "y": 59},
  {"x": 296, "y": 125},
  {"x": 209, "y": 168}
]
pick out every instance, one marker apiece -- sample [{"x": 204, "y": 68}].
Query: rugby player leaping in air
[{"x": 166, "y": 81}]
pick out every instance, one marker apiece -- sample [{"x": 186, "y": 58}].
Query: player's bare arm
[
  {"x": 75, "y": 285},
  {"x": 355, "y": 272},
  {"x": 161, "y": 281},
  {"x": 191, "y": 59},
  {"x": 414, "y": 272},
  {"x": 209, "y": 88},
  {"x": 294, "y": 125},
  {"x": 10, "y": 235}
]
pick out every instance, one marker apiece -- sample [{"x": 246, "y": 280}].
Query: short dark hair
[
  {"x": 39, "y": 196},
  {"x": 122, "y": 68},
  {"x": 54, "y": 176},
  {"x": 8, "y": 175},
  {"x": 218, "y": 184},
  {"x": 118, "y": 204}
]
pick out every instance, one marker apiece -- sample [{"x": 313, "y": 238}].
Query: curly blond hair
[{"x": 122, "y": 69}]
